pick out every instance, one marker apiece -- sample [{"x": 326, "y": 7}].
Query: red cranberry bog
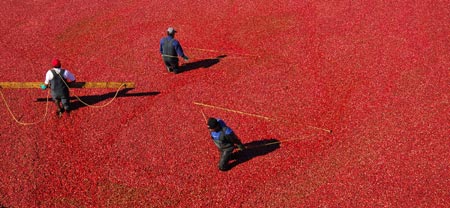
[{"x": 280, "y": 73}]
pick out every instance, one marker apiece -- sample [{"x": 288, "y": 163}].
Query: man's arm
[
  {"x": 161, "y": 42},
  {"x": 179, "y": 50},
  {"x": 69, "y": 76},
  {"x": 235, "y": 140},
  {"x": 48, "y": 77}
]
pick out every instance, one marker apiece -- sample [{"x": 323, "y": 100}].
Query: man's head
[
  {"x": 56, "y": 63},
  {"x": 213, "y": 124},
  {"x": 171, "y": 31}
]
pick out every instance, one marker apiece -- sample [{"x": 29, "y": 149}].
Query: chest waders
[
  {"x": 60, "y": 92},
  {"x": 58, "y": 85},
  {"x": 223, "y": 142}
]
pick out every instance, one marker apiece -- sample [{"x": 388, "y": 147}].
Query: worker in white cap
[{"x": 170, "y": 49}]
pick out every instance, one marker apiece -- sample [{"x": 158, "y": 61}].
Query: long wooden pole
[{"x": 20, "y": 85}]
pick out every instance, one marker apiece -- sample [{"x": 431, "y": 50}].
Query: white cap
[{"x": 171, "y": 30}]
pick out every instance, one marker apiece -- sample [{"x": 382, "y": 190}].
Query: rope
[
  {"x": 23, "y": 123},
  {"x": 234, "y": 111},
  {"x": 93, "y": 106},
  {"x": 176, "y": 57},
  {"x": 286, "y": 140},
  {"x": 231, "y": 53},
  {"x": 164, "y": 55},
  {"x": 258, "y": 116},
  {"x": 204, "y": 116},
  {"x": 46, "y": 105},
  {"x": 279, "y": 142},
  {"x": 99, "y": 106},
  {"x": 270, "y": 143},
  {"x": 219, "y": 57}
]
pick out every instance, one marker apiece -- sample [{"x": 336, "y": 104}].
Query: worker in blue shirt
[
  {"x": 170, "y": 49},
  {"x": 225, "y": 140}
]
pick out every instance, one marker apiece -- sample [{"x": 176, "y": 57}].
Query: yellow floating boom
[{"x": 20, "y": 85}]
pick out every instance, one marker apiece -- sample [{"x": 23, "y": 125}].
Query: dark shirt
[
  {"x": 225, "y": 138},
  {"x": 175, "y": 44}
]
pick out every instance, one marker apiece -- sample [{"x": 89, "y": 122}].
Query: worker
[
  {"x": 58, "y": 79},
  {"x": 225, "y": 140},
  {"x": 170, "y": 48}
]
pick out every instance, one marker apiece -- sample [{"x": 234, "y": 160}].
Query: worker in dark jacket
[
  {"x": 225, "y": 140},
  {"x": 58, "y": 78},
  {"x": 170, "y": 49}
]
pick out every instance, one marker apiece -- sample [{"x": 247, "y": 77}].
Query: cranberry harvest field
[{"x": 340, "y": 104}]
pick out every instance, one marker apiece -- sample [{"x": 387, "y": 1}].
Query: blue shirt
[
  {"x": 175, "y": 44},
  {"x": 216, "y": 135}
]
